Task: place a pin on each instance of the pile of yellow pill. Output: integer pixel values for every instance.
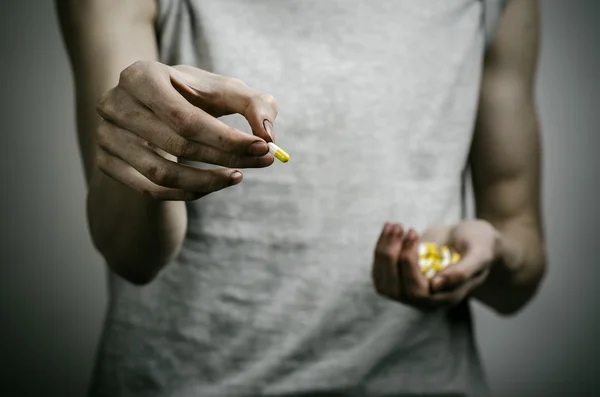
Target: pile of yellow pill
(433, 258)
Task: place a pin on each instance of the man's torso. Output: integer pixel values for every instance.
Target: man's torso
(272, 294)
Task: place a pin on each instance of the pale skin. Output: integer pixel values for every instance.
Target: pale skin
(503, 249)
(138, 117)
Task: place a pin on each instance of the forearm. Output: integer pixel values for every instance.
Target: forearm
(517, 270)
(136, 235)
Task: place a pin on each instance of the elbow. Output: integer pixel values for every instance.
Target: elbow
(133, 268)
(135, 273)
(522, 296)
(509, 310)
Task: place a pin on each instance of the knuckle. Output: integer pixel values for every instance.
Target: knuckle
(152, 192)
(181, 120)
(102, 161)
(234, 83)
(102, 134)
(160, 175)
(179, 146)
(267, 99)
(228, 139)
(105, 106)
(115, 105)
(132, 73)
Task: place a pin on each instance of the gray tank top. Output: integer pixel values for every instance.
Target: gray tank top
(271, 294)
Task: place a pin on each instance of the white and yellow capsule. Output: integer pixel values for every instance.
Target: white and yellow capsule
(278, 152)
(433, 258)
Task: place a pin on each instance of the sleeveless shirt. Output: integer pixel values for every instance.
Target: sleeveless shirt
(271, 294)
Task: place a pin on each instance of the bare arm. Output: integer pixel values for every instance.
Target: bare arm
(152, 116)
(505, 160)
(502, 250)
(136, 234)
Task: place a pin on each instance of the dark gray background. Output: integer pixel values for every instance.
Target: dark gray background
(52, 283)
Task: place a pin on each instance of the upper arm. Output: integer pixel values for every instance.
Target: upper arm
(506, 154)
(102, 38)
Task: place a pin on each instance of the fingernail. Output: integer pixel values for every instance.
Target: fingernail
(436, 284)
(258, 148)
(235, 178)
(269, 128)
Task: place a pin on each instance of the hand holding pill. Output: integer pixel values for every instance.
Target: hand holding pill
(158, 115)
(437, 269)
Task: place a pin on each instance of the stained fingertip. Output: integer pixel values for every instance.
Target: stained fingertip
(235, 177)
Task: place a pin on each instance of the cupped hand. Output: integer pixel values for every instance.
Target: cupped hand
(396, 274)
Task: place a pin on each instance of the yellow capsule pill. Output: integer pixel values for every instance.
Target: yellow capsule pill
(434, 258)
(278, 152)
(431, 248)
(430, 273)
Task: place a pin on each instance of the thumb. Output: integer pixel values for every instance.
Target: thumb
(220, 95)
(452, 277)
(261, 113)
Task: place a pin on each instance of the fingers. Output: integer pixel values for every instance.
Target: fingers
(396, 274)
(150, 84)
(124, 173)
(260, 113)
(133, 116)
(221, 95)
(415, 286)
(134, 152)
(437, 234)
(385, 273)
(409, 286)
(457, 295)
